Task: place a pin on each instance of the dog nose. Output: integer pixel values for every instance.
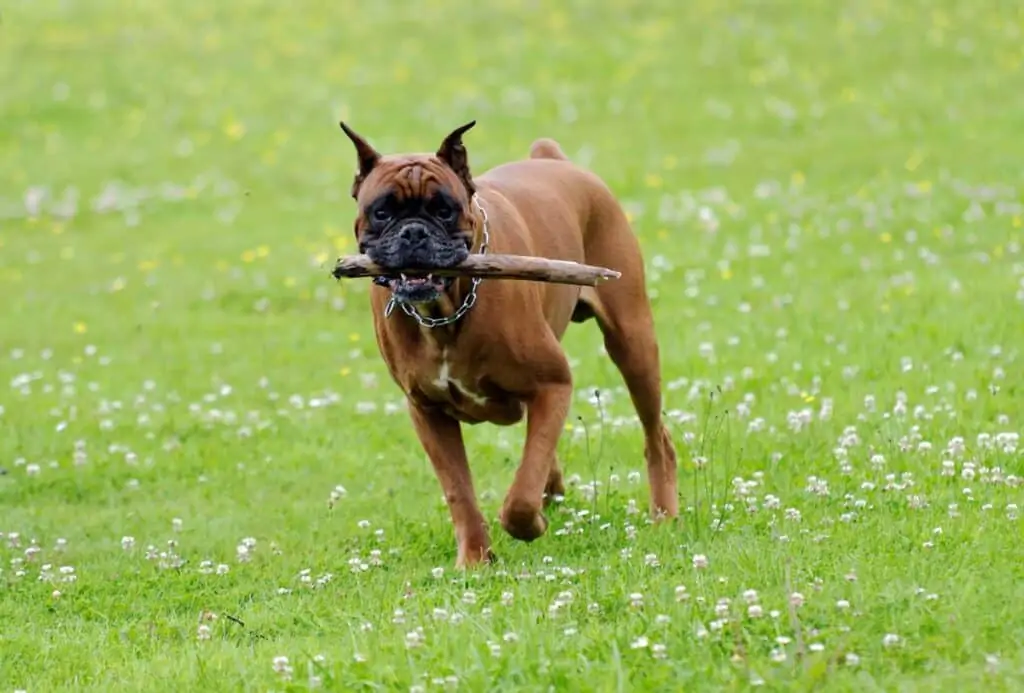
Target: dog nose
(413, 233)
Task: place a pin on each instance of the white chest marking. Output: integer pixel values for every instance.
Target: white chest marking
(444, 381)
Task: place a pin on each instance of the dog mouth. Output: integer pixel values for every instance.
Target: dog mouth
(417, 289)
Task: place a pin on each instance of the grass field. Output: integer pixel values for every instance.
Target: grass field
(829, 198)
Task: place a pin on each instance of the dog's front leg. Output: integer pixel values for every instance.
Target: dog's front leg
(522, 515)
(441, 437)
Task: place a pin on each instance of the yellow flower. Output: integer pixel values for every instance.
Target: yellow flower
(885, 237)
(235, 130)
(557, 21)
(354, 337)
(652, 180)
(80, 328)
(915, 159)
(345, 370)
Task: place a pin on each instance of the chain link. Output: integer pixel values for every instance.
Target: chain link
(467, 303)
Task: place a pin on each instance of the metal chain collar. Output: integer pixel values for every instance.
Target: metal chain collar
(467, 302)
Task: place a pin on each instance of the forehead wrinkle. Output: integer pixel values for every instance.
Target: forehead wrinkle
(414, 177)
(417, 180)
(411, 176)
(407, 180)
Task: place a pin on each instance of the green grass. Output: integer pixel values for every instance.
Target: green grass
(829, 198)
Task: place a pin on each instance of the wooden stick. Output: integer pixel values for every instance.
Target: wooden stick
(540, 269)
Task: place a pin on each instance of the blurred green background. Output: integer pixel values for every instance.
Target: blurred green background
(828, 198)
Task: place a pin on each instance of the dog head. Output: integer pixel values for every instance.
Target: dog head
(414, 212)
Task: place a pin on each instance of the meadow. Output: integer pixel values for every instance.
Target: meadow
(208, 480)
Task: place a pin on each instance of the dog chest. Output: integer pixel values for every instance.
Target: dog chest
(462, 393)
(447, 383)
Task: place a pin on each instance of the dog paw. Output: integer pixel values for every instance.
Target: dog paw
(664, 511)
(469, 558)
(523, 522)
(551, 499)
(555, 489)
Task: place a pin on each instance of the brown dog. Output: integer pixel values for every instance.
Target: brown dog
(470, 351)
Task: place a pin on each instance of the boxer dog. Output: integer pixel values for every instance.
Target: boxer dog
(470, 351)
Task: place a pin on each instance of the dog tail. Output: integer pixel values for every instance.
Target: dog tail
(547, 148)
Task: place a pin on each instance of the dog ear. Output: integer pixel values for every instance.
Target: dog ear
(453, 153)
(368, 157)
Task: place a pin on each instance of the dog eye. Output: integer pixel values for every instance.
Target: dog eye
(381, 215)
(444, 212)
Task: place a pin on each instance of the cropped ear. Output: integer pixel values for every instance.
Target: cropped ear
(453, 153)
(368, 157)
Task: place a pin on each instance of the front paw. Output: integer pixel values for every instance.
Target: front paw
(523, 521)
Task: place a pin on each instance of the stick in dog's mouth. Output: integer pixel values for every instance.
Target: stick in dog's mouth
(495, 266)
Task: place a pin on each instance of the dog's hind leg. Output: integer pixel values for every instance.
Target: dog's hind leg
(556, 483)
(623, 312)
